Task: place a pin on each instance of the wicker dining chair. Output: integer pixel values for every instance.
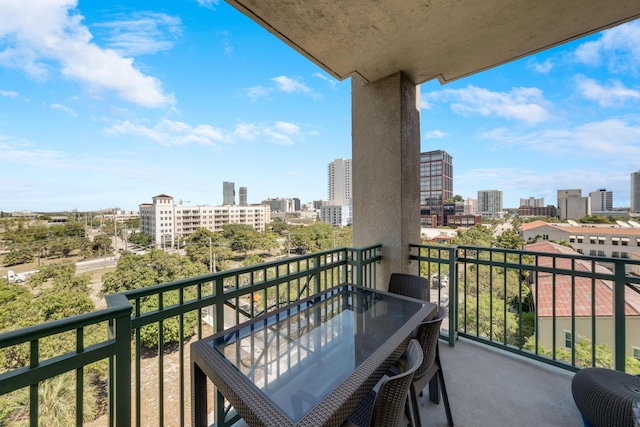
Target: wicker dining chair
(430, 371)
(409, 285)
(386, 407)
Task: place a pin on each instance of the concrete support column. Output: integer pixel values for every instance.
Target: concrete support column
(386, 170)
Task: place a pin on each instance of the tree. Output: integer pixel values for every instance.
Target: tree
(139, 238)
(510, 239)
(242, 237)
(476, 236)
(203, 246)
(154, 267)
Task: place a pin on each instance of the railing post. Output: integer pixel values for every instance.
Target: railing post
(122, 375)
(218, 305)
(619, 326)
(358, 267)
(453, 295)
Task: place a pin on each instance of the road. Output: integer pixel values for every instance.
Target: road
(95, 264)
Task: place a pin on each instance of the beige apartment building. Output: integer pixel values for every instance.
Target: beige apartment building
(168, 223)
(602, 240)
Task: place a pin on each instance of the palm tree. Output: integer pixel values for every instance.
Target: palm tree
(56, 403)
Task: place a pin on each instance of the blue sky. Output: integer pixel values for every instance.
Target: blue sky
(106, 104)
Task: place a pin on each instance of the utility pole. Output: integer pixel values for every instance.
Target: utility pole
(210, 257)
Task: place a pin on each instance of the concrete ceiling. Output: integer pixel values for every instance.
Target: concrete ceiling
(427, 39)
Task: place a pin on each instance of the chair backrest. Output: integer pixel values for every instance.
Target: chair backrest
(427, 335)
(392, 394)
(409, 285)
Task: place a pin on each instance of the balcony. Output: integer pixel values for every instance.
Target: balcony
(498, 371)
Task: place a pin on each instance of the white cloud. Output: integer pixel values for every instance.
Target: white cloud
(332, 82)
(209, 4)
(435, 134)
(612, 139)
(256, 92)
(141, 33)
(9, 93)
(613, 94)
(523, 104)
(169, 132)
(542, 68)
(47, 36)
(618, 46)
(291, 85)
(65, 109)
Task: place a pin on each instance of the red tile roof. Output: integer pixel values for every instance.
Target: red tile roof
(543, 289)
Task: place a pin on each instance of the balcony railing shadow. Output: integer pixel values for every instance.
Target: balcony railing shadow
(498, 372)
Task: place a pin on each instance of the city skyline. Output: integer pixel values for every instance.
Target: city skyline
(108, 105)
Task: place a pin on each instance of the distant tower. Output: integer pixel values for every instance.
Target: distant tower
(243, 196)
(339, 174)
(436, 185)
(601, 200)
(228, 194)
(571, 204)
(490, 201)
(635, 191)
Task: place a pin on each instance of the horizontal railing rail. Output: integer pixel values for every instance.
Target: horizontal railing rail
(508, 298)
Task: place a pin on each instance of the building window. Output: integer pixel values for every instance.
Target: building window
(636, 353)
(568, 339)
(614, 243)
(572, 239)
(615, 254)
(625, 243)
(580, 251)
(600, 253)
(545, 237)
(592, 252)
(592, 240)
(579, 239)
(601, 241)
(624, 254)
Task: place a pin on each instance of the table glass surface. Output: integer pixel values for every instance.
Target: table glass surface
(298, 356)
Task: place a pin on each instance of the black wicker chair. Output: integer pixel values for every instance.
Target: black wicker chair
(430, 372)
(385, 407)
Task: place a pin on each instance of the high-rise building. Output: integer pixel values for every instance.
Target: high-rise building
(337, 210)
(601, 200)
(339, 180)
(571, 204)
(490, 202)
(243, 196)
(228, 194)
(532, 202)
(635, 191)
(436, 185)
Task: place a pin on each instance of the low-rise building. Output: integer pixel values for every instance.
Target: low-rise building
(167, 222)
(602, 240)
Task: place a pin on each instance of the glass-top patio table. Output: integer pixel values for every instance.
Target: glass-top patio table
(309, 363)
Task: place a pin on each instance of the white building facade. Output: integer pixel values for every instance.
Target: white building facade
(168, 223)
(601, 201)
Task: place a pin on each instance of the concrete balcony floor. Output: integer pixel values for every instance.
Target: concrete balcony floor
(489, 387)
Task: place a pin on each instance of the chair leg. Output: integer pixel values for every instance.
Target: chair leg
(445, 397)
(415, 409)
(434, 390)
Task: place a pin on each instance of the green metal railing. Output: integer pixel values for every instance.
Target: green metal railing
(146, 331)
(493, 293)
